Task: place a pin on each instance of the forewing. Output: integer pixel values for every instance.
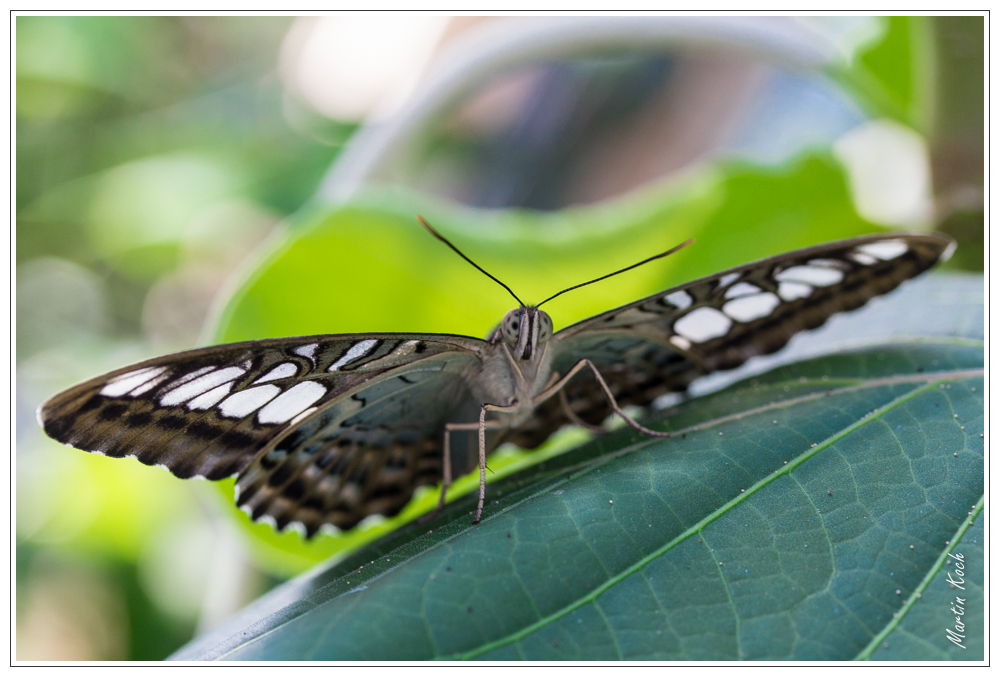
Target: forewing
(210, 412)
(663, 342)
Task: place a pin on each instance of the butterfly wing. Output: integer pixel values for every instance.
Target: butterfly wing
(661, 343)
(320, 429)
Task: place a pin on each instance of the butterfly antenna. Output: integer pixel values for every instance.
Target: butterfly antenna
(475, 265)
(634, 265)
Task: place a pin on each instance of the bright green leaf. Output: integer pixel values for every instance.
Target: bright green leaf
(893, 77)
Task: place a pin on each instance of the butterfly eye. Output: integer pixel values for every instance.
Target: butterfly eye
(511, 326)
(544, 327)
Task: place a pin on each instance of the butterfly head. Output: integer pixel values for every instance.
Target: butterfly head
(524, 329)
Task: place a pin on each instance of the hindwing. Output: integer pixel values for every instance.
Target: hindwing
(661, 343)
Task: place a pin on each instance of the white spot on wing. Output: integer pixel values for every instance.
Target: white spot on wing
(192, 375)
(679, 299)
(790, 291)
(269, 520)
(359, 349)
(291, 403)
(200, 385)
(680, 342)
(741, 289)
(749, 308)
(829, 263)
(302, 415)
(130, 381)
(727, 280)
(862, 258)
(283, 370)
(296, 526)
(245, 402)
(407, 348)
(149, 385)
(307, 350)
(702, 324)
(371, 520)
(885, 249)
(667, 400)
(211, 398)
(814, 275)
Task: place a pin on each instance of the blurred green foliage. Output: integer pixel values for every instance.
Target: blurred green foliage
(893, 74)
(127, 127)
(154, 153)
(144, 146)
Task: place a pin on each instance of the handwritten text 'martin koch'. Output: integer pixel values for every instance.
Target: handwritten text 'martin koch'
(956, 579)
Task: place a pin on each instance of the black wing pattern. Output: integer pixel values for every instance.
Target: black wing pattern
(661, 343)
(318, 429)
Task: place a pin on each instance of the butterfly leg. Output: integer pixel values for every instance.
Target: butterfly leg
(446, 472)
(446, 467)
(446, 481)
(482, 426)
(579, 366)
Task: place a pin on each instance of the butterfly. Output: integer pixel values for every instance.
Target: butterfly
(330, 429)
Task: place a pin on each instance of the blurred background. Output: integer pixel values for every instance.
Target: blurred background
(184, 180)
